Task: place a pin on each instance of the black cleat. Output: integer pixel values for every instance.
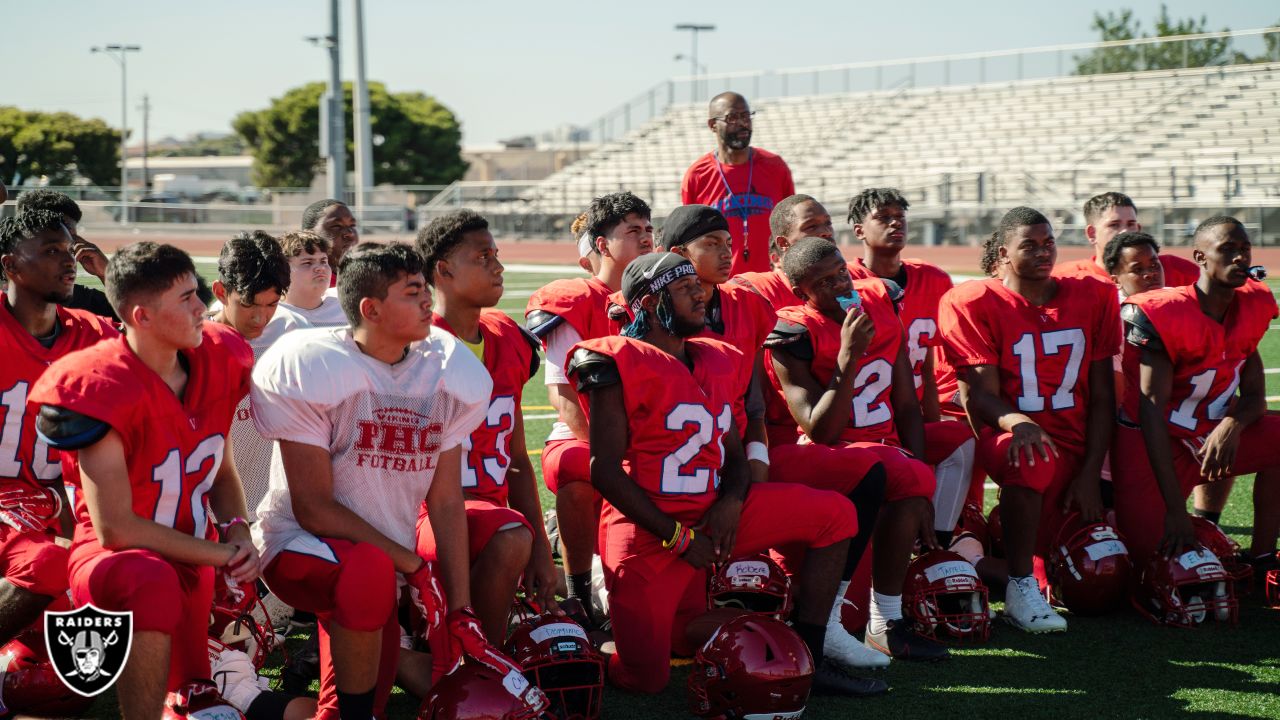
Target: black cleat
(901, 642)
(303, 667)
(831, 680)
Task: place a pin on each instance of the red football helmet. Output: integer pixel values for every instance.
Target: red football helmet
(995, 533)
(198, 699)
(240, 620)
(754, 666)
(474, 692)
(1211, 536)
(558, 657)
(1186, 590)
(30, 686)
(1089, 568)
(754, 583)
(946, 598)
(972, 521)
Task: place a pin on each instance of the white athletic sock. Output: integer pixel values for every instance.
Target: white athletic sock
(883, 609)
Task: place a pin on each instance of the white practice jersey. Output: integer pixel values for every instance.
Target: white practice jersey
(328, 314)
(384, 426)
(251, 451)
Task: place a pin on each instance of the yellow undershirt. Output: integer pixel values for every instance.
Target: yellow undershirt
(476, 348)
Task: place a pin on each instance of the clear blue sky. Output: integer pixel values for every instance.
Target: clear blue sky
(505, 68)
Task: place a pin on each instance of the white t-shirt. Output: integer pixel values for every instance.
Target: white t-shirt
(559, 343)
(384, 426)
(329, 314)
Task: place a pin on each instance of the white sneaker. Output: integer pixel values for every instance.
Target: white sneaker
(847, 650)
(1026, 609)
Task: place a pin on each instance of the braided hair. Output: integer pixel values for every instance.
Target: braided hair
(1020, 216)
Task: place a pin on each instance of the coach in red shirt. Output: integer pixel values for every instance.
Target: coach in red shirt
(742, 182)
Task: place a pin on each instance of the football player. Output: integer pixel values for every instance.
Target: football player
(1033, 354)
(660, 400)
(87, 254)
(735, 314)
(35, 251)
(505, 542)
(793, 218)
(1195, 403)
(311, 301)
(369, 420)
(879, 219)
(253, 276)
(840, 366)
(144, 419)
(1133, 260)
(333, 221)
(562, 314)
(1106, 216)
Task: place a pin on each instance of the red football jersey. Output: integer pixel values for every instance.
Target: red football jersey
(582, 302)
(173, 446)
(918, 313)
(1177, 271)
(511, 357)
(871, 414)
(24, 457)
(736, 315)
(1207, 355)
(771, 285)
(745, 194)
(676, 418)
(1042, 352)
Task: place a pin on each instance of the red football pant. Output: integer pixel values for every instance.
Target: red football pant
(950, 448)
(351, 584)
(33, 561)
(484, 520)
(1139, 506)
(653, 593)
(1049, 478)
(840, 468)
(564, 462)
(165, 597)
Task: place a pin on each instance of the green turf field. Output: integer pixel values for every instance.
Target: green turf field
(1114, 667)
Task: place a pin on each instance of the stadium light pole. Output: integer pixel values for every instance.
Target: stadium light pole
(694, 29)
(119, 53)
(363, 135)
(333, 126)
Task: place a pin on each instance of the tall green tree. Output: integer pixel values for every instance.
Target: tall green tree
(417, 140)
(1154, 56)
(58, 146)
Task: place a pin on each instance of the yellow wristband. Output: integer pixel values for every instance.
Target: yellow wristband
(667, 545)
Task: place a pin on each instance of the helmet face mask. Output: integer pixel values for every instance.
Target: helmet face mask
(1187, 590)
(558, 657)
(753, 667)
(754, 583)
(945, 597)
(1219, 543)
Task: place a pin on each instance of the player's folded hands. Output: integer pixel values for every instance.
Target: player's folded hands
(29, 509)
(243, 565)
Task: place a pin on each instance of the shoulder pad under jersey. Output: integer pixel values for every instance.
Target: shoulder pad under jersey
(1138, 329)
(540, 323)
(792, 338)
(592, 369)
(65, 429)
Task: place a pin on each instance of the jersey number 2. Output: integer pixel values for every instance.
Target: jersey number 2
(675, 480)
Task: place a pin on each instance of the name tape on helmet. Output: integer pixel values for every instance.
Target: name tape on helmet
(557, 630)
(1198, 558)
(515, 683)
(1106, 549)
(951, 568)
(743, 568)
(1103, 533)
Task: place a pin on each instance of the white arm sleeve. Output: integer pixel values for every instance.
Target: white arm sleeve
(561, 340)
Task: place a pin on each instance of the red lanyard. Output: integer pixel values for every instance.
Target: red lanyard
(751, 169)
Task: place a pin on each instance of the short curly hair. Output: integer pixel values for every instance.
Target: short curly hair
(253, 262)
(1020, 216)
(872, 199)
(443, 234)
(311, 216)
(25, 224)
(1111, 253)
(46, 199)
